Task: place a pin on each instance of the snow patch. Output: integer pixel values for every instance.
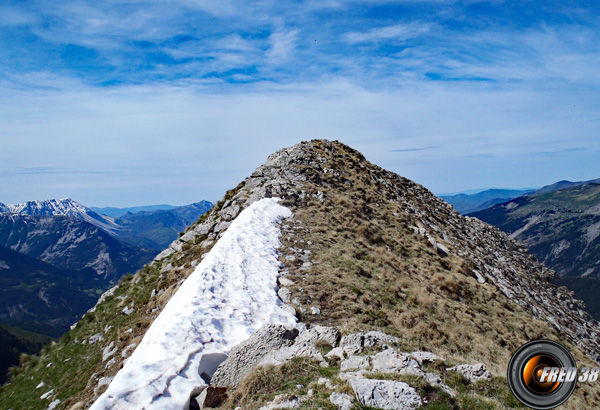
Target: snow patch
(230, 295)
(3, 265)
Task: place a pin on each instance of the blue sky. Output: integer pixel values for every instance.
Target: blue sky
(120, 103)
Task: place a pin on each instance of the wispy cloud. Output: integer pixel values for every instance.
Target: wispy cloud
(397, 32)
(282, 46)
(558, 152)
(414, 149)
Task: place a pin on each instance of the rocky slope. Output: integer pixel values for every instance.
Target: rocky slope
(365, 250)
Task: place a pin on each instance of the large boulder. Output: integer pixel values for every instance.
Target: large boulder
(250, 352)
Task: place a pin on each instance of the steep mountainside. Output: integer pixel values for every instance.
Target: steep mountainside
(465, 204)
(15, 341)
(157, 229)
(43, 298)
(365, 249)
(71, 243)
(561, 228)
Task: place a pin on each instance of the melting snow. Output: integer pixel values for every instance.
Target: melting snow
(230, 295)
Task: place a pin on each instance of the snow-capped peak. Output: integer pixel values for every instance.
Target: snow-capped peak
(64, 206)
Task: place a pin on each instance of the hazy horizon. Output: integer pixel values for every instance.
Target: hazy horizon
(149, 102)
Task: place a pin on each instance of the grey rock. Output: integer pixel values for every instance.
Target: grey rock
(290, 309)
(356, 363)
(357, 342)
(353, 343)
(391, 361)
(375, 338)
(317, 333)
(285, 282)
(473, 372)
(425, 357)
(250, 352)
(336, 352)
(211, 397)
(386, 394)
(341, 400)
(283, 401)
(315, 311)
(347, 376)
(284, 294)
(287, 353)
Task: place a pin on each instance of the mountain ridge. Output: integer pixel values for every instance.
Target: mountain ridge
(366, 249)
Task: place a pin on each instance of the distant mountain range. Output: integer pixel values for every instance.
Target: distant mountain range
(117, 212)
(560, 224)
(561, 227)
(157, 229)
(58, 256)
(466, 203)
(62, 207)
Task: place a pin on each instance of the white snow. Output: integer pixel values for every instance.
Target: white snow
(230, 295)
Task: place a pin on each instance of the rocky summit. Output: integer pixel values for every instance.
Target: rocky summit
(398, 302)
